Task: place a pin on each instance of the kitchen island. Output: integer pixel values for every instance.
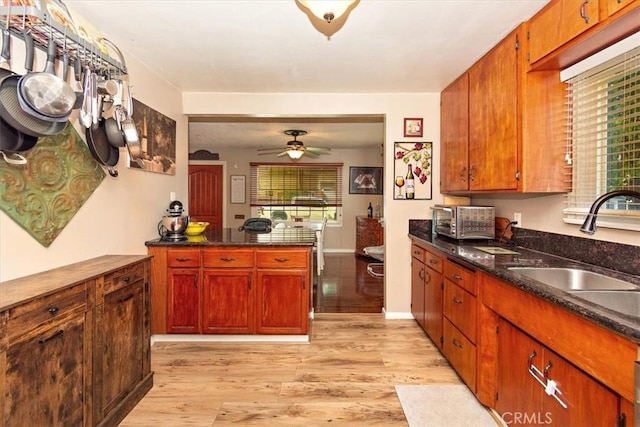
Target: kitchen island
(233, 283)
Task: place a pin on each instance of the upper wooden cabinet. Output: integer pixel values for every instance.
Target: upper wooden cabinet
(454, 137)
(558, 23)
(504, 132)
(610, 7)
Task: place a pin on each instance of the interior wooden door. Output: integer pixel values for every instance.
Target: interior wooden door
(205, 194)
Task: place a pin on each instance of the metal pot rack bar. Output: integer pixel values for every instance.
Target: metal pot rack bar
(43, 28)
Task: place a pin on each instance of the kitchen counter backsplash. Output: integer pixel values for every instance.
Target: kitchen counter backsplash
(610, 255)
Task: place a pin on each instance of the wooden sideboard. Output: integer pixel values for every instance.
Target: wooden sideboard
(75, 343)
(369, 232)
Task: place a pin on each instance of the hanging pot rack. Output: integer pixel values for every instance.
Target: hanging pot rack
(43, 28)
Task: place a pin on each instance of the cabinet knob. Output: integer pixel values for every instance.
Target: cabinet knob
(457, 300)
(456, 343)
(53, 310)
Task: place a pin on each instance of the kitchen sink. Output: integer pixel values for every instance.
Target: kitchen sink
(574, 279)
(626, 302)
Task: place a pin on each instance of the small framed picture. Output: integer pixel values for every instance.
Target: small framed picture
(413, 127)
(365, 180)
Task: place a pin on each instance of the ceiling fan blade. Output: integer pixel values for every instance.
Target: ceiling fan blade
(319, 149)
(269, 150)
(284, 153)
(311, 154)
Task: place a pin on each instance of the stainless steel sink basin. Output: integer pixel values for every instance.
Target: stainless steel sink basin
(627, 302)
(573, 279)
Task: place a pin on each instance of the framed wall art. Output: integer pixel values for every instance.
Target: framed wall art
(365, 180)
(413, 127)
(238, 188)
(157, 135)
(412, 162)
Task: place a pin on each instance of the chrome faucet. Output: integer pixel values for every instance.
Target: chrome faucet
(589, 225)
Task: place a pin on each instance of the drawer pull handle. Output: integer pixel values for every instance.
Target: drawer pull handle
(127, 298)
(53, 310)
(583, 11)
(126, 279)
(456, 343)
(281, 259)
(416, 252)
(427, 278)
(463, 175)
(421, 274)
(456, 277)
(183, 259)
(56, 335)
(433, 261)
(227, 259)
(457, 300)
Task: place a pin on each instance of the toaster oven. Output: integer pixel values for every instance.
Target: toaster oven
(464, 222)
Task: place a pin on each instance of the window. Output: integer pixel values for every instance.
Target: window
(310, 191)
(603, 147)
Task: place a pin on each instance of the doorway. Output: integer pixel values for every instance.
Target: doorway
(206, 194)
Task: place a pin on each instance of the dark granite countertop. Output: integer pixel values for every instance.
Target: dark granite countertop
(498, 266)
(234, 237)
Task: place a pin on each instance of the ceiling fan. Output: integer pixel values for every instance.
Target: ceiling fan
(295, 149)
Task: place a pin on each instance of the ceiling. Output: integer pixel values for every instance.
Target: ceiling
(273, 46)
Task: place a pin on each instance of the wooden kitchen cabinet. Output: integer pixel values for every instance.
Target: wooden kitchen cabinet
(460, 310)
(369, 232)
(417, 284)
(183, 291)
(611, 7)
(509, 112)
(75, 343)
(559, 22)
(283, 295)
(426, 290)
(122, 312)
(454, 136)
(521, 360)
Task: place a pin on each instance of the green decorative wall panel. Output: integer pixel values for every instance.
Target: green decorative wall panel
(43, 195)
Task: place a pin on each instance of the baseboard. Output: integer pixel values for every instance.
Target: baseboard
(339, 251)
(397, 315)
(230, 338)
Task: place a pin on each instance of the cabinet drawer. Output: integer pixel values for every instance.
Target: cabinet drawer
(461, 276)
(183, 258)
(227, 258)
(124, 277)
(461, 354)
(417, 252)
(461, 308)
(25, 317)
(285, 258)
(433, 261)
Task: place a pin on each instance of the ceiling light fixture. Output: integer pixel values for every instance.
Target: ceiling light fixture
(328, 10)
(295, 154)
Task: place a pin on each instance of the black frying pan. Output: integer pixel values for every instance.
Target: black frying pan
(12, 140)
(99, 146)
(12, 113)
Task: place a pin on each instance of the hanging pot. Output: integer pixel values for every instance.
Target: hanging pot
(12, 113)
(101, 149)
(45, 95)
(114, 135)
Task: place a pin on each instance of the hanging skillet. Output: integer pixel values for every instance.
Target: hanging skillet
(44, 95)
(99, 146)
(12, 113)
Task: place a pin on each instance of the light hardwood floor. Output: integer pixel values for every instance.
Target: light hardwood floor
(344, 376)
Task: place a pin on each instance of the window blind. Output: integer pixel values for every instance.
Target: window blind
(302, 184)
(603, 140)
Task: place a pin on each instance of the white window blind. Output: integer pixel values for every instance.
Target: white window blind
(603, 141)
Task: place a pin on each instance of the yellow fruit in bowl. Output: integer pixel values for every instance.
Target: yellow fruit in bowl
(196, 228)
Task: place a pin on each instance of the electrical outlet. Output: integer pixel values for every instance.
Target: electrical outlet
(517, 217)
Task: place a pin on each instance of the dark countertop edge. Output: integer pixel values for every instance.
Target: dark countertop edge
(158, 242)
(624, 325)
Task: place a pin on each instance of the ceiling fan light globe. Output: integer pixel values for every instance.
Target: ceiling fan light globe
(295, 154)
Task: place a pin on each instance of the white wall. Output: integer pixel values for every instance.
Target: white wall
(123, 212)
(395, 107)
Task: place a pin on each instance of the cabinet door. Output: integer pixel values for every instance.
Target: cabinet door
(588, 402)
(227, 304)
(120, 333)
(433, 284)
(45, 376)
(183, 301)
(368, 233)
(493, 118)
(205, 194)
(454, 136)
(558, 23)
(282, 302)
(417, 291)
(518, 392)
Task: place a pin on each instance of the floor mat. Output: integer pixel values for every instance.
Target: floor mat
(442, 405)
